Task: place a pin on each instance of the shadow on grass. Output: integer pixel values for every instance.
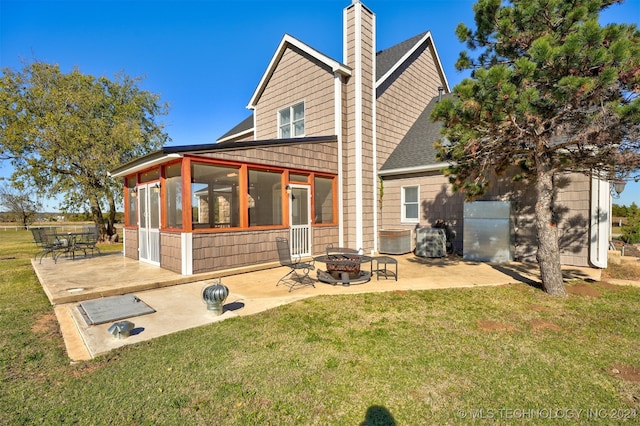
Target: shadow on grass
(377, 415)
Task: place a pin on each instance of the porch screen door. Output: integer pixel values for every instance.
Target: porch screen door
(300, 220)
(149, 220)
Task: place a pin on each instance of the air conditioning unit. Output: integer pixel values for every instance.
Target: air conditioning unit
(431, 242)
(394, 241)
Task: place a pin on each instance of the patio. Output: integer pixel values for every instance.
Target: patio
(178, 303)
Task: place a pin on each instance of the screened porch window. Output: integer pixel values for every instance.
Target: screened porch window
(291, 121)
(132, 217)
(265, 198)
(323, 200)
(215, 200)
(173, 200)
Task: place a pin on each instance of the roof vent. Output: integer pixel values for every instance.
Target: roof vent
(440, 90)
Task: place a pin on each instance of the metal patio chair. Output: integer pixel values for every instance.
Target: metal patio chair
(299, 270)
(88, 240)
(48, 242)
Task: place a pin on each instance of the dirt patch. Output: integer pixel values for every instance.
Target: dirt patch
(46, 324)
(488, 325)
(583, 289)
(608, 286)
(626, 372)
(542, 325)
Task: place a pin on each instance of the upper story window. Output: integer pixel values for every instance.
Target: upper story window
(291, 121)
(410, 206)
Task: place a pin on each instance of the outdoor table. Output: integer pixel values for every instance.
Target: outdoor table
(73, 238)
(344, 268)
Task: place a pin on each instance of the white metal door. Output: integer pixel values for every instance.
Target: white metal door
(149, 223)
(300, 220)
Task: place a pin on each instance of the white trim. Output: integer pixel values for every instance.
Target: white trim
(145, 165)
(406, 56)
(358, 124)
(403, 210)
(291, 107)
(337, 91)
(410, 170)
(186, 244)
(600, 222)
(287, 41)
(374, 114)
(236, 135)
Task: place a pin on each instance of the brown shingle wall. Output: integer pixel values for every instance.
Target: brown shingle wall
(403, 97)
(219, 251)
(131, 241)
(298, 77)
(322, 237)
(171, 251)
(437, 202)
(321, 157)
(214, 252)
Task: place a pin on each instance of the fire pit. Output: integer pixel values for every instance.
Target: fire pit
(337, 264)
(343, 268)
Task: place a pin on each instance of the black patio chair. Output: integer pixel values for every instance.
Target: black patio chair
(48, 242)
(299, 270)
(87, 240)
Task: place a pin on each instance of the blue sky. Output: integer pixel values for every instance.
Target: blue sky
(206, 57)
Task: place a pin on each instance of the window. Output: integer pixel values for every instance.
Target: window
(132, 217)
(214, 196)
(410, 205)
(323, 200)
(265, 198)
(173, 193)
(291, 121)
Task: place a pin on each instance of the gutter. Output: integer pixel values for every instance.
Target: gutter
(411, 170)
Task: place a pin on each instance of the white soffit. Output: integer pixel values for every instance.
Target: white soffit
(144, 165)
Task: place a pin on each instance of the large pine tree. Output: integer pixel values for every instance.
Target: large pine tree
(551, 90)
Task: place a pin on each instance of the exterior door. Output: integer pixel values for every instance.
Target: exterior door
(149, 223)
(300, 220)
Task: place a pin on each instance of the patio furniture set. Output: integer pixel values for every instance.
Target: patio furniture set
(54, 243)
(343, 265)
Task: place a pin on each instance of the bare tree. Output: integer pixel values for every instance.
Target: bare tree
(19, 205)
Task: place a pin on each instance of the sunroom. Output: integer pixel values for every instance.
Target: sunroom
(195, 209)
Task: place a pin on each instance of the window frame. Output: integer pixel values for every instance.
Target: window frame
(292, 121)
(405, 203)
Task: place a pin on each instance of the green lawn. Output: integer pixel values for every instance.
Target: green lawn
(501, 354)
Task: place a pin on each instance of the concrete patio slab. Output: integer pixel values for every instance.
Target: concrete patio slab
(179, 306)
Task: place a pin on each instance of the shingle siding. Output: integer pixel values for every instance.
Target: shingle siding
(298, 77)
(403, 98)
(438, 202)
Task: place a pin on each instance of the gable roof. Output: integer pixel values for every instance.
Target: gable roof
(286, 42)
(415, 152)
(388, 60)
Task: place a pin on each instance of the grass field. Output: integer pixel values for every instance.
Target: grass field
(506, 354)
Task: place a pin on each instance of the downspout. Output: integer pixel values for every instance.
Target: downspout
(600, 222)
(337, 88)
